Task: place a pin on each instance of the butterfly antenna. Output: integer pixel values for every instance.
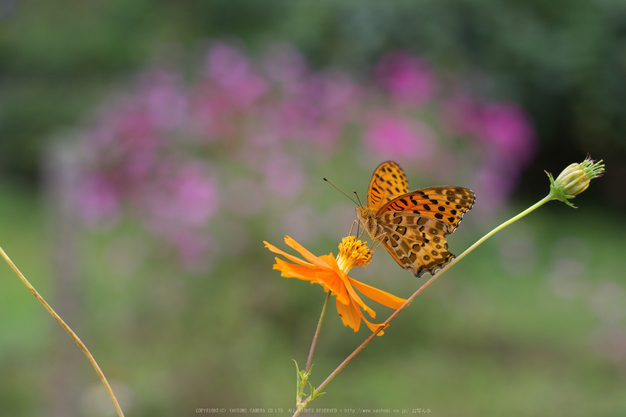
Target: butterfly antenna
(358, 204)
(357, 197)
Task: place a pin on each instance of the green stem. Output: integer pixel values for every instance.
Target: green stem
(67, 328)
(512, 220)
(317, 333)
(302, 405)
(427, 283)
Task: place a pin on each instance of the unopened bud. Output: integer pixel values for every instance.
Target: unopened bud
(575, 179)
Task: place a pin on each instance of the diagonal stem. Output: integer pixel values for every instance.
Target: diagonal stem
(67, 328)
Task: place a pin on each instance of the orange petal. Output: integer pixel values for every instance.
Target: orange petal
(328, 261)
(330, 281)
(350, 316)
(377, 295)
(286, 255)
(304, 252)
(332, 263)
(289, 270)
(373, 327)
(348, 287)
(355, 297)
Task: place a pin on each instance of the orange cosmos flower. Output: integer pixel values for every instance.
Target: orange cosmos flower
(332, 274)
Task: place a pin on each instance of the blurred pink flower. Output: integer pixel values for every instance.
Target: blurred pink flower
(185, 195)
(210, 116)
(164, 99)
(389, 136)
(122, 128)
(318, 109)
(136, 130)
(97, 199)
(503, 127)
(284, 65)
(505, 144)
(148, 152)
(230, 93)
(494, 182)
(137, 167)
(461, 115)
(231, 70)
(506, 126)
(283, 175)
(124, 147)
(408, 79)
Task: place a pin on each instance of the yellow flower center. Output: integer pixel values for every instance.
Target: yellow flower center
(352, 253)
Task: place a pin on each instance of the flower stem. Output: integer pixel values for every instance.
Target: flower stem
(317, 333)
(427, 283)
(304, 375)
(512, 220)
(67, 328)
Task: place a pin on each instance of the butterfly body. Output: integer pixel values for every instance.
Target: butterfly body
(412, 225)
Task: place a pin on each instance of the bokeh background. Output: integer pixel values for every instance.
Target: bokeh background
(147, 148)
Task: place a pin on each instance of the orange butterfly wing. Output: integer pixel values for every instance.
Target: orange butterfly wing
(412, 226)
(445, 204)
(388, 181)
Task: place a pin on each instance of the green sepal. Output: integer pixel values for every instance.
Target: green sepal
(557, 193)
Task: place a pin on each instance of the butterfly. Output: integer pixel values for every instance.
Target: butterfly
(412, 225)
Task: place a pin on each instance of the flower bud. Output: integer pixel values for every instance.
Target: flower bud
(575, 179)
